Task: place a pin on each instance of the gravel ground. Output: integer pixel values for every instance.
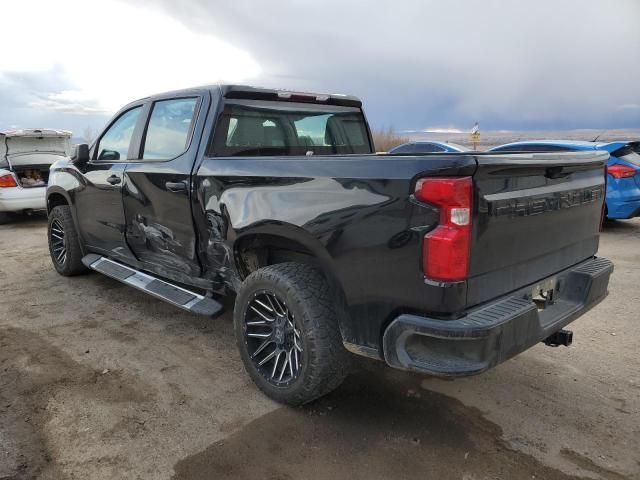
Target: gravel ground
(99, 381)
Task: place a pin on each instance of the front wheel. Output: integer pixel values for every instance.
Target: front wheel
(64, 246)
(287, 330)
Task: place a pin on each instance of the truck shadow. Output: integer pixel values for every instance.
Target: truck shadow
(374, 426)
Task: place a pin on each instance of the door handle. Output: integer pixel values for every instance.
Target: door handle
(114, 180)
(176, 187)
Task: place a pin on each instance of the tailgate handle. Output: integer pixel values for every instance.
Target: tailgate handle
(555, 172)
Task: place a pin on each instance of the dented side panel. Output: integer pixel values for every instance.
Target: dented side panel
(160, 230)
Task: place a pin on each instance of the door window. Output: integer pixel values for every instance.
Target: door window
(114, 144)
(169, 129)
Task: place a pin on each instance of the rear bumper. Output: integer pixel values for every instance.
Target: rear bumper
(494, 332)
(623, 210)
(17, 199)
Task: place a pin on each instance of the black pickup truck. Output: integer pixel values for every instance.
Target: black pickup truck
(446, 264)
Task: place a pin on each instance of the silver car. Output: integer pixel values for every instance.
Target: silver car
(25, 158)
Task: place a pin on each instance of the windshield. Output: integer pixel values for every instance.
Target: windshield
(250, 128)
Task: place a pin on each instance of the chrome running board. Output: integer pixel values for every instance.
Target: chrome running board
(178, 296)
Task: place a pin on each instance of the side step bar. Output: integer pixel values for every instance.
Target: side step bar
(161, 289)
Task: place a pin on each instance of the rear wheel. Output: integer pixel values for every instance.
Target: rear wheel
(286, 325)
(64, 246)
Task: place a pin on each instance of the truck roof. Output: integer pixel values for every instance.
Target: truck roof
(259, 93)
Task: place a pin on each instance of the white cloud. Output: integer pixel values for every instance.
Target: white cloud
(112, 52)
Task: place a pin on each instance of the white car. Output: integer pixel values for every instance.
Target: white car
(25, 158)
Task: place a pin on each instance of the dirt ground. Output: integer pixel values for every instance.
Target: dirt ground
(99, 381)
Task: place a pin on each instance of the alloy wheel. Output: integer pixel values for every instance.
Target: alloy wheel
(58, 244)
(273, 338)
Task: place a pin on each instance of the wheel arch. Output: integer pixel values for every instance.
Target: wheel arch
(273, 244)
(56, 197)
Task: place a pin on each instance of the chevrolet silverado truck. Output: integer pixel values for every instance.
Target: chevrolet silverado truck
(444, 263)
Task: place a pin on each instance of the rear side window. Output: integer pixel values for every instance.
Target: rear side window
(286, 128)
(169, 129)
(114, 144)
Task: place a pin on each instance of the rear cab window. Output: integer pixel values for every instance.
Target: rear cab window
(263, 128)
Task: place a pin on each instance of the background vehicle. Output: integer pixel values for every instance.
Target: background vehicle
(623, 168)
(443, 264)
(428, 147)
(25, 158)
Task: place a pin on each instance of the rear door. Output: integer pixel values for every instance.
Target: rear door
(536, 215)
(99, 203)
(157, 193)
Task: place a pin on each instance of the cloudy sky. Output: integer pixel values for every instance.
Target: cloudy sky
(417, 64)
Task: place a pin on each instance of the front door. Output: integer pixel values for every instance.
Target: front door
(157, 192)
(99, 202)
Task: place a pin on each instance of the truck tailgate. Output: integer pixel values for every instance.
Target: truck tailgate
(537, 214)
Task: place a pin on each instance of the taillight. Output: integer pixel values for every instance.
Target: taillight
(621, 171)
(7, 181)
(445, 255)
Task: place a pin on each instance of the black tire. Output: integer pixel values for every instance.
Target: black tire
(64, 245)
(315, 308)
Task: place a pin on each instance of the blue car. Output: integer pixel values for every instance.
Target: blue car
(623, 170)
(428, 147)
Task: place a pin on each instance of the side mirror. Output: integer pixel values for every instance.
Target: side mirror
(111, 155)
(80, 155)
